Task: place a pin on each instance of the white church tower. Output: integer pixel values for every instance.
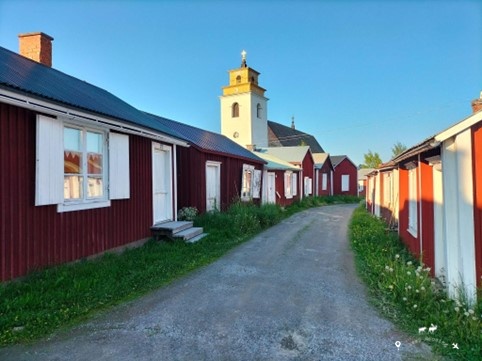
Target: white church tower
(244, 111)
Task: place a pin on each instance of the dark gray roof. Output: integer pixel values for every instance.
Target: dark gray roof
(337, 159)
(23, 75)
(289, 137)
(206, 140)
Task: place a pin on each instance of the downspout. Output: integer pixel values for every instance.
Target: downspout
(317, 176)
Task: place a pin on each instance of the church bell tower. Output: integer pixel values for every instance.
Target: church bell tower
(244, 112)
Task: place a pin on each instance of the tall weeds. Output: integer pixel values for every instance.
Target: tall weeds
(403, 289)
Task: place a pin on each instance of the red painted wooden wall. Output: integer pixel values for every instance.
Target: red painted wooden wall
(325, 169)
(191, 177)
(477, 162)
(34, 237)
(345, 167)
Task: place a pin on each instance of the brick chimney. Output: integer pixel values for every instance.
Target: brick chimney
(36, 46)
(477, 104)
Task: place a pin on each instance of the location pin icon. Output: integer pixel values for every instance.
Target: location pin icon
(398, 343)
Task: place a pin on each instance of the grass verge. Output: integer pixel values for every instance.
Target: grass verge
(66, 295)
(403, 290)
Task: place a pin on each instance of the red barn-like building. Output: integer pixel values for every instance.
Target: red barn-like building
(345, 176)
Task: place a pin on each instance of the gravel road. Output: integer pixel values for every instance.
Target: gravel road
(290, 293)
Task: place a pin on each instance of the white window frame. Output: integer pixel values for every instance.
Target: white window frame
(257, 184)
(345, 182)
(412, 201)
(308, 186)
(294, 184)
(288, 184)
(49, 182)
(247, 189)
(324, 181)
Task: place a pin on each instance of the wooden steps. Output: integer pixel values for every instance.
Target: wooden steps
(179, 230)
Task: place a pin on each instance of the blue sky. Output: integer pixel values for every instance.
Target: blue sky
(358, 75)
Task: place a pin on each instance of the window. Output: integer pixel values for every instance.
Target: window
(247, 182)
(83, 164)
(308, 186)
(412, 202)
(324, 182)
(238, 79)
(74, 166)
(258, 110)
(345, 182)
(294, 184)
(288, 184)
(235, 110)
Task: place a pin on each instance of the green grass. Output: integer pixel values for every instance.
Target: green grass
(61, 296)
(404, 291)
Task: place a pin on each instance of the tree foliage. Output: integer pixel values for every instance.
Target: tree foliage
(371, 160)
(398, 148)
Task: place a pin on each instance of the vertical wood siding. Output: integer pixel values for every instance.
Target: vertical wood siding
(345, 167)
(325, 169)
(191, 177)
(34, 237)
(477, 161)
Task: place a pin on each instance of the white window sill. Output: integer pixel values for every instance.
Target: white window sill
(288, 197)
(413, 232)
(61, 208)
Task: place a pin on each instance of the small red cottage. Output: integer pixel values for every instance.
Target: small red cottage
(323, 174)
(345, 176)
(280, 180)
(301, 158)
(214, 171)
(82, 171)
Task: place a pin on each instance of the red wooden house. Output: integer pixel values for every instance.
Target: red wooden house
(345, 176)
(440, 203)
(323, 174)
(214, 171)
(280, 180)
(301, 158)
(82, 171)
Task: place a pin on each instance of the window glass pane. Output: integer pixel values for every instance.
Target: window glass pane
(72, 187)
(72, 139)
(72, 162)
(94, 142)
(95, 187)
(94, 163)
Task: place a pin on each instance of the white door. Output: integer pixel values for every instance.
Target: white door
(213, 186)
(271, 187)
(161, 182)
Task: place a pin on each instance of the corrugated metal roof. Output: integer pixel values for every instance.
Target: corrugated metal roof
(289, 137)
(288, 154)
(206, 140)
(320, 158)
(27, 76)
(274, 163)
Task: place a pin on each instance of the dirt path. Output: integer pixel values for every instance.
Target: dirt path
(291, 293)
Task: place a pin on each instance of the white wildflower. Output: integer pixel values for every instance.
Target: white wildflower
(456, 309)
(414, 306)
(409, 273)
(405, 299)
(422, 288)
(409, 263)
(397, 256)
(466, 314)
(471, 311)
(474, 318)
(391, 287)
